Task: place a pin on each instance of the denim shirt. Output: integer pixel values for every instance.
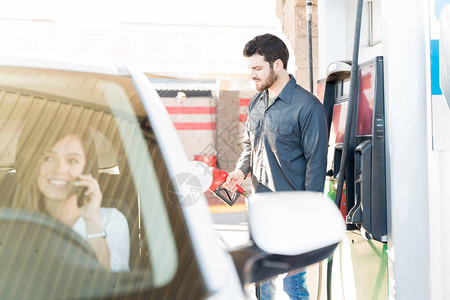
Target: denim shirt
(285, 144)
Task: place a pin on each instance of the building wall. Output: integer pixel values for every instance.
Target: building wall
(228, 135)
(232, 109)
(210, 126)
(292, 14)
(194, 119)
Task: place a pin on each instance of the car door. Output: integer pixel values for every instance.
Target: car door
(36, 105)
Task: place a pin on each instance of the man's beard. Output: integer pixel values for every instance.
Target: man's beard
(268, 82)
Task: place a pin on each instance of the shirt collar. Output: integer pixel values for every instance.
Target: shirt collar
(288, 90)
(286, 93)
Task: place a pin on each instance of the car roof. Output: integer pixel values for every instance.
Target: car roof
(103, 67)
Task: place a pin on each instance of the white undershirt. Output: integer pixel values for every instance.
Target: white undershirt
(117, 236)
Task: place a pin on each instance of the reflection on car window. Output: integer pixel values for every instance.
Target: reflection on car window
(68, 136)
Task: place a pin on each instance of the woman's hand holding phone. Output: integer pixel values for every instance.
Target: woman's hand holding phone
(90, 212)
(89, 197)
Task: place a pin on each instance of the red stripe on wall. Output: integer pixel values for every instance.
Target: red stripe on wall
(194, 126)
(189, 110)
(242, 118)
(244, 102)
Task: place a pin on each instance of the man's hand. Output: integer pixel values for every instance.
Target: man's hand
(233, 179)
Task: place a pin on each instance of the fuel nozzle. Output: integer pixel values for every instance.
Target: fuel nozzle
(219, 177)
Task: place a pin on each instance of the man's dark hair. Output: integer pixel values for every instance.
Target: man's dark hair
(270, 47)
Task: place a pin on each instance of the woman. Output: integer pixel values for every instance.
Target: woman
(56, 170)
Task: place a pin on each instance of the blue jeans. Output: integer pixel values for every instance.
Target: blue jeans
(294, 286)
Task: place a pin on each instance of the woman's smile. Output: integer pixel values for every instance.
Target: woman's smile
(58, 183)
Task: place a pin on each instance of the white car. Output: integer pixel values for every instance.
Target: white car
(174, 251)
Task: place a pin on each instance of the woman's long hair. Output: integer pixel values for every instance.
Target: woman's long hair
(37, 138)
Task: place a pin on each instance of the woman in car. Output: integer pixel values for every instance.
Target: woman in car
(56, 170)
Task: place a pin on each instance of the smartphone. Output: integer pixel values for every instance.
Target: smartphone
(80, 191)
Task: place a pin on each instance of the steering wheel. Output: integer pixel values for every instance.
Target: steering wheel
(45, 222)
(23, 231)
(43, 254)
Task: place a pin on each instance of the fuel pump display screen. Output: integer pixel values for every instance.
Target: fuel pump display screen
(365, 103)
(338, 124)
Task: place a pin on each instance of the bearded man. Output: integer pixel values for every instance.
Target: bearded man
(286, 138)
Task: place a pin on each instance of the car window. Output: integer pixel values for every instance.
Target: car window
(39, 110)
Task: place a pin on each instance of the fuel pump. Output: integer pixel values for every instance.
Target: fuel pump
(363, 201)
(335, 101)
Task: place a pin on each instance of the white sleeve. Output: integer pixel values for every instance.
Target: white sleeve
(118, 240)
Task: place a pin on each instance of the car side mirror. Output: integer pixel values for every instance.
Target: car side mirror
(289, 230)
(292, 223)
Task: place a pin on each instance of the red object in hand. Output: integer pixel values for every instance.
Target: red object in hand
(219, 177)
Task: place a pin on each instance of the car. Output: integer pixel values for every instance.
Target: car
(144, 173)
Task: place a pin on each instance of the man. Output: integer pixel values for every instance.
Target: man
(286, 137)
